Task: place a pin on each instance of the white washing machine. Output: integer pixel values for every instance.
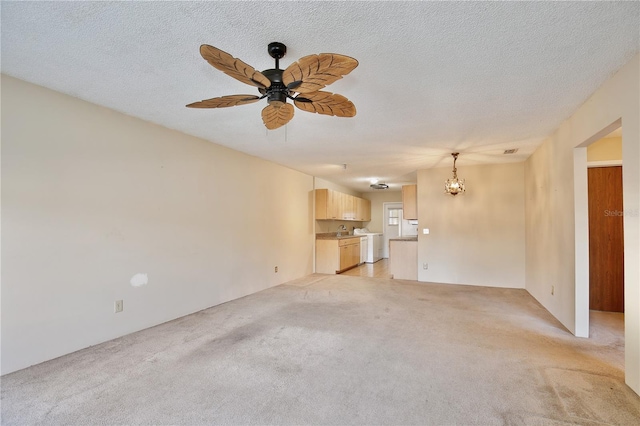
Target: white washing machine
(374, 244)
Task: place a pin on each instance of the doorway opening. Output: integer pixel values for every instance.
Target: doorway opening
(599, 233)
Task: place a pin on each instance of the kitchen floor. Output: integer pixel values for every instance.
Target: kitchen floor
(380, 269)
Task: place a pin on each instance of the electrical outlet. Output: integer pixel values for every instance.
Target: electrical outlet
(425, 265)
(276, 269)
(118, 306)
(552, 290)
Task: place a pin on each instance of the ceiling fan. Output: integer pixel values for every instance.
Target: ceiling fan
(306, 77)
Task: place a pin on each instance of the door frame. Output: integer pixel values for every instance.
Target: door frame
(581, 235)
(385, 220)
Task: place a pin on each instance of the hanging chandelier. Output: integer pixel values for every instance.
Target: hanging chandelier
(454, 186)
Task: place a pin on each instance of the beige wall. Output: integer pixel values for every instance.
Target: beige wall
(377, 199)
(324, 226)
(605, 149)
(91, 197)
(325, 184)
(557, 213)
(476, 238)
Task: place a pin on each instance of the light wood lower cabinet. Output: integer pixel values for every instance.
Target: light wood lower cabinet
(403, 259)
(335, 256)
(349, 254)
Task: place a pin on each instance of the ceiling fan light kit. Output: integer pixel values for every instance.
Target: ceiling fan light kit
(304, 79)
(454, 186)
(379, 186)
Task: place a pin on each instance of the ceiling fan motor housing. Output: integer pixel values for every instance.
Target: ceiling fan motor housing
(277, 93)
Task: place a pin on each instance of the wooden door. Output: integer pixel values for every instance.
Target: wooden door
(606, 244)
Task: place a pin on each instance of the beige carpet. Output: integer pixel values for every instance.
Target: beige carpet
(341, 350)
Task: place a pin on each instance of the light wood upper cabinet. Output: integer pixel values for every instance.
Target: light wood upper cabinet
(410, 202)
(348, 207)
(328, 205)
(363, 209)
(322, 201)
(334, 205)
(341, 201)
(367, 210)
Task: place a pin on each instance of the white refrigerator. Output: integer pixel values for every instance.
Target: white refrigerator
(409, 228)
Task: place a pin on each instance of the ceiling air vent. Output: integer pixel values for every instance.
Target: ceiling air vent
(510, 151)
(379, 186)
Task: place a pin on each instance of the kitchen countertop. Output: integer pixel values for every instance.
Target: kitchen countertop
(404, 239)
(333, 236)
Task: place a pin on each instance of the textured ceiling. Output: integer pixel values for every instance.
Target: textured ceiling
(434, 77)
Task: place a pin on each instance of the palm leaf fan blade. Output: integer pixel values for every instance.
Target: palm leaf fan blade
(327, 103)
(233, 67)
(274, 117)
(317, 71)
(225, 101)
